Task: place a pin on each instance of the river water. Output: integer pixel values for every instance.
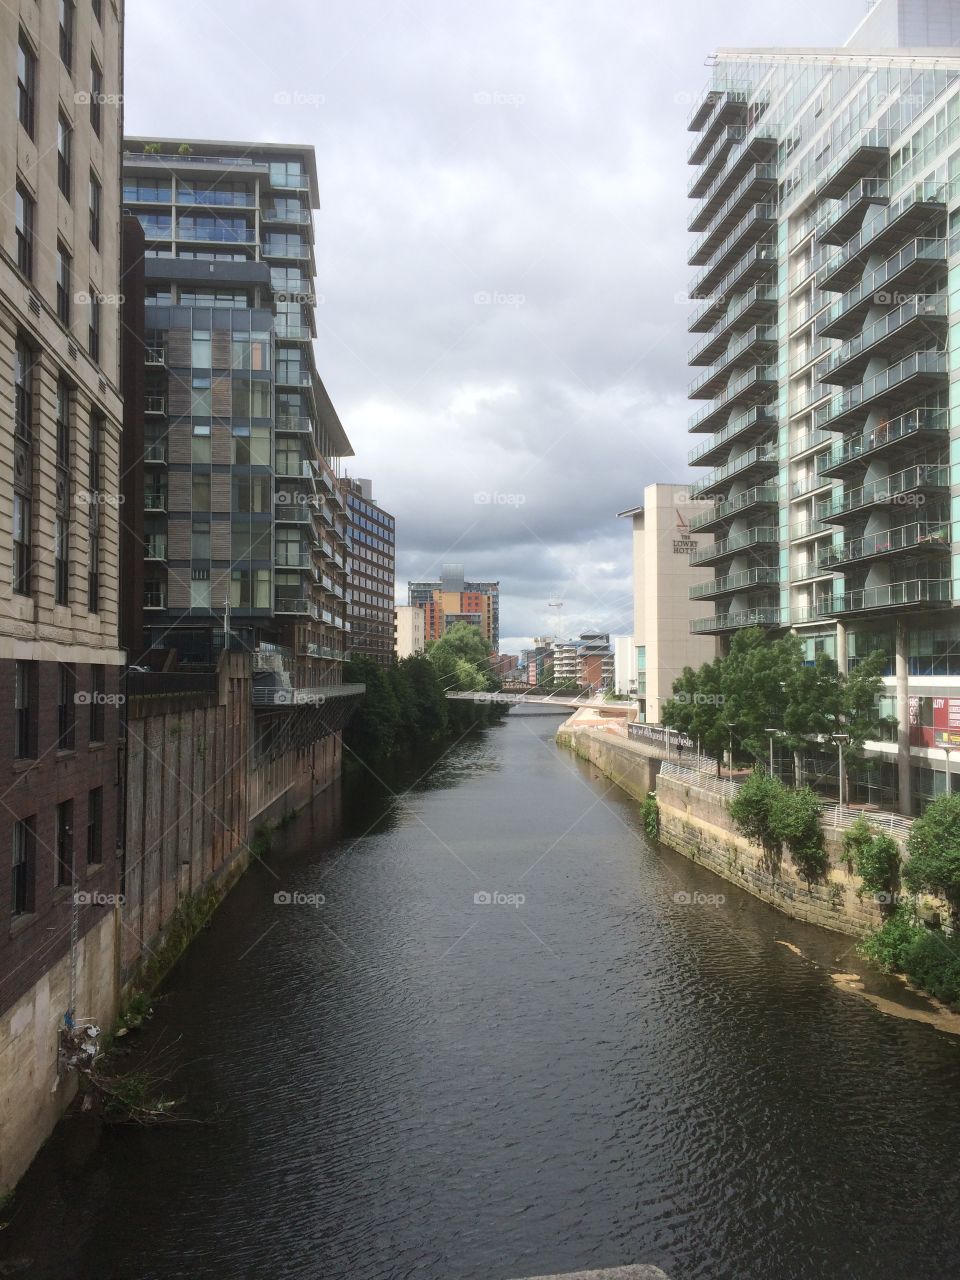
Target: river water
(406, 1081)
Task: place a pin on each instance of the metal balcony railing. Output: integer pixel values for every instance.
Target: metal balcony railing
(762, 575)
(855, 398)
(885, 433)
(736, 542)
(762, 617)
(922, 536)
(894, 595)
(885, 490)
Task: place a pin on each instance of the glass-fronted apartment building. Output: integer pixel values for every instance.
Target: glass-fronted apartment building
(452, 598)
(826, 356)
(245, 522)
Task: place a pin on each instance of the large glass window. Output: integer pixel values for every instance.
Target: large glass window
(200, 540)
(67, 24)
(25, 711)
(96, 97)
(24, 867)
(147, 189)
(64, 286)
(64, 154)
(26, 83)
(66, 706)
(201, 353)
(96, 204)
(61, 584)
(22, 550)
(200, 397)
(24, 220)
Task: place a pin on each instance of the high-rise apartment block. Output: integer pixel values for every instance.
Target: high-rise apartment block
(371, 543)
(60, 660)
(452, 599)
(245, 521)
(827, 355)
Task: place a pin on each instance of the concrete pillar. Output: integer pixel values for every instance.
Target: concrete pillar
(841, 648)
(903, 721)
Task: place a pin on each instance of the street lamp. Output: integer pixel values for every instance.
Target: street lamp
(946, 752)
(773, 733)
(840, 739)
(730, 727)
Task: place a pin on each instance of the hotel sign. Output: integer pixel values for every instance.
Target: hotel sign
(683, 544)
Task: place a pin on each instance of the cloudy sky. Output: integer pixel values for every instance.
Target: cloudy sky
(502, 239)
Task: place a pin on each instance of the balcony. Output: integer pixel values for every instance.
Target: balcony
(760, 182)
(761, 261)
(154, 596)
(155, 546)
(898, 330)
(723, 109)
(755, 386)
(299, 605)
(763, 536)
(808, 570)
(764, 495)
(903, 488)
(154, 357)
(755, 147)
(713, 161)
(293, 423)
(747, 349)
(916, 264)
(758, 222)
(933, 592)
(845, 217)
(292, 558)
(283, 249)
(217, 233)
(906, 217)
(745, 429)
(763, 575)
(816, 612)
(288, 376)
(288, 468)
(759, 303)
(155, 453)
(154, 404)
(809, 440)
(292, 512)
(156, 501)
(754, 463)
(915, 429)
(857, 159)
(921, 373)
(312, 696)
(293, 217)
(919, 539)
(721, 622)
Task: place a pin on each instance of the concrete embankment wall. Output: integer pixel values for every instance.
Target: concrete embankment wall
(695, 821)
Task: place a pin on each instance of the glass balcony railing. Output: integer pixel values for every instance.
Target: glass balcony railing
(885, 433)
(760, 175)
(886, 490)
(154, 357)
(155, 453)
(154, 404)
(154, 596)
(760, 377)
(919, 254)
(292, 512)
(759, 259)
(760, 334)
(762, 617)
(760, 495)
(875, 225)
(757, 420)
(760, 576)
(869, 189)
(217, 233)
(923, 536)
(736, 542)
(763, 456)
(921, 306)
(894, 595)
(286, 557)
(155, 501)
(155, 546)
(759, 218)
(855, 398)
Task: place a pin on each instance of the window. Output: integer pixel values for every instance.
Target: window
(95, 826)
(66, 706)
(24, 215)
(22, 556)
(26, 83)
(200, 540)
(97, 701)
(93, 453)
(93, 571)
(25, 717)
(67, 13)
(65, 842)
(63, 424)
(200, 596)
(23, 390)
(201, 491)
(96, 97)
(200, 443)
(24, 864)
(93, 328)
(96, 201)
(63, 284)
(97, 7)
(64, 153)
(61, 561)
(200, 399)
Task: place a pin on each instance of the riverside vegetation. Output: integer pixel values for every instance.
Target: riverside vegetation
(405, 708)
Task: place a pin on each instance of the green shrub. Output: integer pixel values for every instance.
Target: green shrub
(650, 814)
(753, 811)
(934, 848)
(796, 820)
(932, 961)
(855, 841)
(887, 946)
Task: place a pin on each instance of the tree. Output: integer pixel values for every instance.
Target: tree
(796, 819)
(753, 810)
(933, 846)
(462, 660)
(371, 731)
(697, 708)
(421, 675)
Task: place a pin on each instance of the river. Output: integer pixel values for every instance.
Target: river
(406, 1080)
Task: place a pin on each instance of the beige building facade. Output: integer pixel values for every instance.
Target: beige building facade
(662, 608)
